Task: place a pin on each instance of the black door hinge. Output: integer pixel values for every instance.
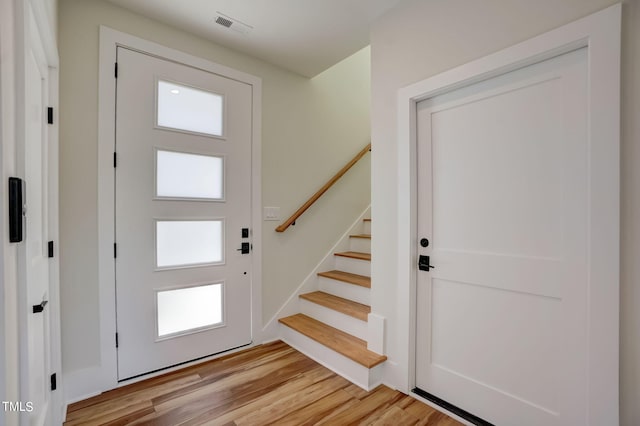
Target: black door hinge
(50, 115)
(117, 344)
(115, 159)
(50, 249)
(54, 382)
(115, 250)
(116, 70)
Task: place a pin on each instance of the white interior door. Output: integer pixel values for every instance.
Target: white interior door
(34, 261)
(183, 201)
(503, 201)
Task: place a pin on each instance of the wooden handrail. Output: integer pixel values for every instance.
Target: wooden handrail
(322, 190)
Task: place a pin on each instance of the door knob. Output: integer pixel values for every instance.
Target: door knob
(40, 308)
(245, 248)
(423, 263)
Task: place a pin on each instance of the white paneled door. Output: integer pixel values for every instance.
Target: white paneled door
(183, 213)
(503, 183)
(34, 259)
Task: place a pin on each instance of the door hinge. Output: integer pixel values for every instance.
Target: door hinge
(115, 250)
(117, 343)
(50, 249)
(116, 70)
(54, 382)
(115, 159)
(49, 115)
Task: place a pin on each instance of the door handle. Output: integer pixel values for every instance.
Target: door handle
(245, 248)
(39, 308)
(16, 209)
(424, 263)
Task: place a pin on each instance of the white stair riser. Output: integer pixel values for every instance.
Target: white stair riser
(361, 376)
(345, 290)
(362, 245)
(335, 319)
(355, 266)
(367, 227)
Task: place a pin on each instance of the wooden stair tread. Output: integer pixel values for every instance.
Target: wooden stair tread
(365, 236)
(355, 255)
(347, 277)
(345, 306)
(337, 340)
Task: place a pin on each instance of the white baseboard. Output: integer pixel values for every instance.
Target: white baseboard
(376, 333)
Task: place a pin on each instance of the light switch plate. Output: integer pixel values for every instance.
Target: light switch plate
(272, 213)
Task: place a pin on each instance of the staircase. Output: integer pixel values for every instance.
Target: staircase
(332, 326)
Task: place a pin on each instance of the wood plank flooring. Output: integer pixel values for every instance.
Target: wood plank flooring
(268, 384)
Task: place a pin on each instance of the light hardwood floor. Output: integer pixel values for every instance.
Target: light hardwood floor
(268, 384)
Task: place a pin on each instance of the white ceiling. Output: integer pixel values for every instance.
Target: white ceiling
(304, 36)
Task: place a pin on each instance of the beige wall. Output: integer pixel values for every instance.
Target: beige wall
(310, 129)
(421, 38)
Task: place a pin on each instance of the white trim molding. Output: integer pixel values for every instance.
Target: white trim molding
(104, 377)
(7, 164)
(33, 30)
(600, 34)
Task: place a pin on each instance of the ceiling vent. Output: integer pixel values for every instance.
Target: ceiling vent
(224, 22)
(233, 24)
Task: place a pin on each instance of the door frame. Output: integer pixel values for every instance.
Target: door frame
(105, 377)
(7, 163)
(36, 20)
(600, 34)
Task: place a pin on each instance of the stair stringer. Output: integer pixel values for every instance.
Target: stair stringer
(271, 330)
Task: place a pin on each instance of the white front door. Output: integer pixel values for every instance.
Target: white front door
(35, 404)
(503, 207)
(183, 201)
